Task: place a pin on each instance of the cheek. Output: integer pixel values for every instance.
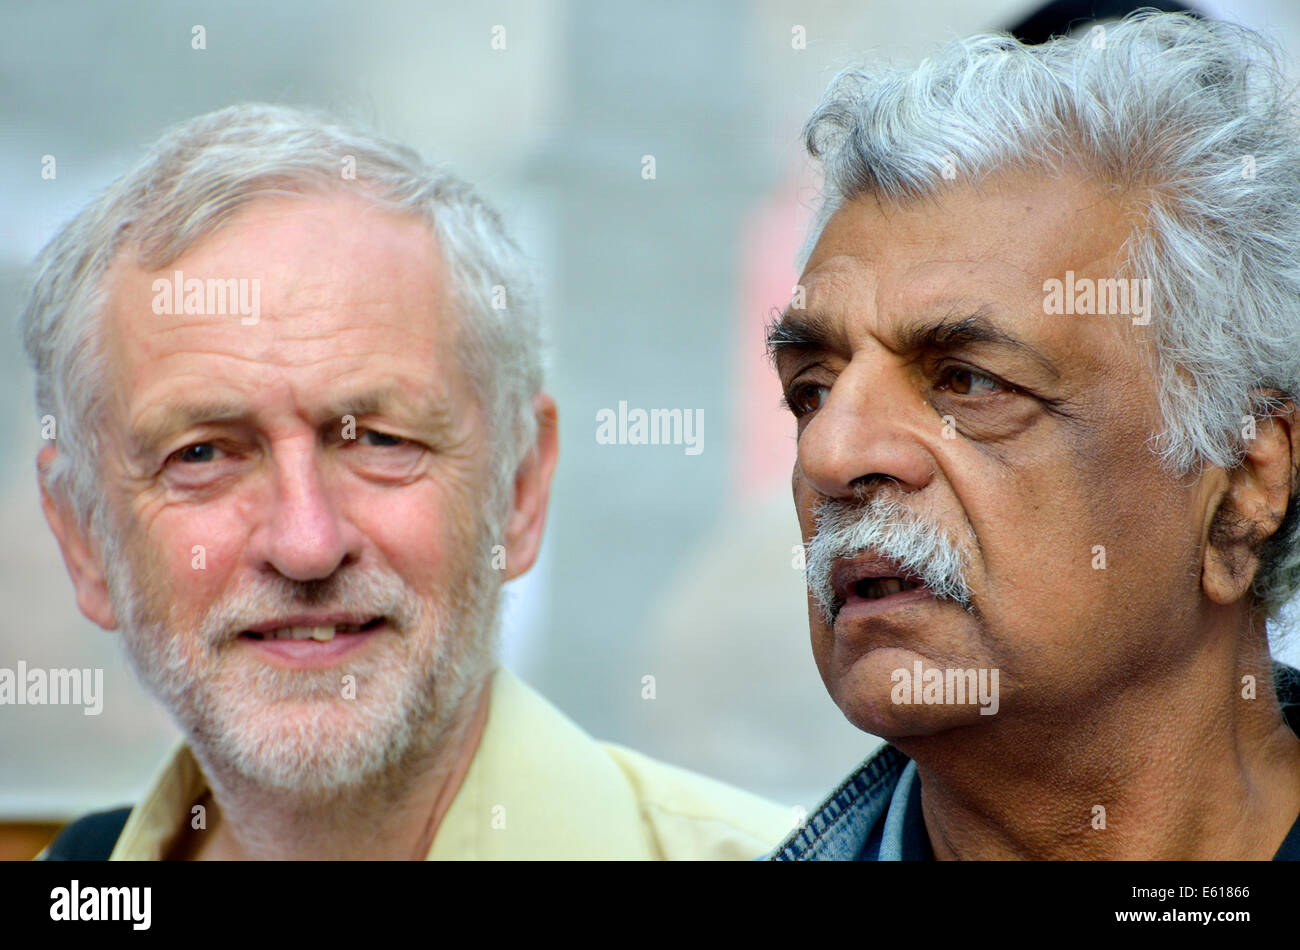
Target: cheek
(195, 556)
(821, 636)
(1085, 547)
(823, 650)
(422, 535)
(200, 549)
(1041, 586)
(1133, 520)
(804, 499)
(184, 560)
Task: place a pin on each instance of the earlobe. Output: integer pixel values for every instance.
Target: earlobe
(532, 491)
(1251, 507)
(81, 556)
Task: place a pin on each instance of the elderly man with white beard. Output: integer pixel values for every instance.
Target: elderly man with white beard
(1089, 508)
(302, 442)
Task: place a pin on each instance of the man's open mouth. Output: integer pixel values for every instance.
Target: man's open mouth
(873, 588)
(870, 579)
(321, 634)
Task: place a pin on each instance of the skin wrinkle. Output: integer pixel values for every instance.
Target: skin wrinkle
(1118, 686)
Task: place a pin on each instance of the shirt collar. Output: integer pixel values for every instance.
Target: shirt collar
(537, 787)
(902, 835)
(164, 810)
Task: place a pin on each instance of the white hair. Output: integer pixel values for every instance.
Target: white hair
(195, 177)
(1193, 121)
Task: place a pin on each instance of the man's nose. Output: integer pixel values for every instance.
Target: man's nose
(870, 427)
(305, 536)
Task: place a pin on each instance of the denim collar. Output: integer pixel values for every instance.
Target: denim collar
(840, 828)
(875, 814)
(902, 835)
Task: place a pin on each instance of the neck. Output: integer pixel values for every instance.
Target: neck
(389, 820)
(1184, 766)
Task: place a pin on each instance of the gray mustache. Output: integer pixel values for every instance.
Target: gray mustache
(889, 529)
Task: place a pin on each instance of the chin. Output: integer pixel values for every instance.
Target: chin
(294, 732)
(881, 694)
(330, 748)
(881, 717)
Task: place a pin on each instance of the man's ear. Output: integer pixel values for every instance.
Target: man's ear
(532, 491)
(81, 555)
(1252, 506)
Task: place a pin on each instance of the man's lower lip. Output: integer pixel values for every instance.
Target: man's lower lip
(857, 608)
(312, 654)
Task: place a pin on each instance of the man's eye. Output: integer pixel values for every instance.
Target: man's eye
(806, 398)
(199, 452)
(968, 382)
(382, 438)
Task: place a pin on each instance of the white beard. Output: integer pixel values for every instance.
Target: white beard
(294, 731)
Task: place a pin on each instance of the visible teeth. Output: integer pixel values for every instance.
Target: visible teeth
(322, 634)
(877, 587)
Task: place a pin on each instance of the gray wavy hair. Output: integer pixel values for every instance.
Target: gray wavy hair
(1194, 121)
(200, 173)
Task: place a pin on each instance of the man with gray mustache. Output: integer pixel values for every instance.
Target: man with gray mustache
(1045, 545)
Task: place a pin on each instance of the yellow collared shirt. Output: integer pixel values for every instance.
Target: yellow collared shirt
(539, 787)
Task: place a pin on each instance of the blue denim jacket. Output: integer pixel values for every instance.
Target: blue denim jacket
(875, 814)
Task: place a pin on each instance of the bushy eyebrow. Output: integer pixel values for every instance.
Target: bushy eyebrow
(949, 333)
(156, 428)
(803, 330)
(812, 331)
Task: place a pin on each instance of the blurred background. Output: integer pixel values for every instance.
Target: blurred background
(657, 562)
